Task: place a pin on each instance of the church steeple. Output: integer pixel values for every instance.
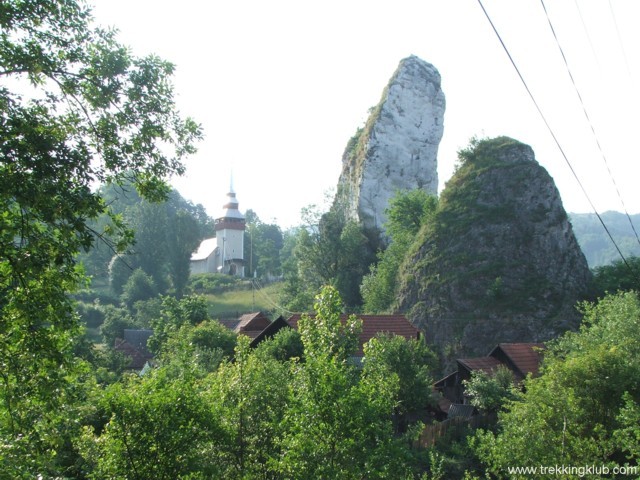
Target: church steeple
(230, 227)
(225, 252)
(230, 213)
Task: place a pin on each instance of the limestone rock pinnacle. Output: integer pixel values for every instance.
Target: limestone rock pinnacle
(397, 148)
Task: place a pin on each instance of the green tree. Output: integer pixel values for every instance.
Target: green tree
(157, 427)
(411, 362)
(627, 436)
(284, 345)
(578, 410)
(115, 322)
(296, 294)
(489, 392)
(355, 257)
(300, 284)
(318, 249)
(333, 251)
(619, 276)
(146, 311)
(139, 287)
(324, 334)
(165, 236)
(337, 424)
(200, 347)
(77, 109)
(189, 310)
(250, 396)
(408, 211)
(262, 245)
(149, 252)
(183, 237)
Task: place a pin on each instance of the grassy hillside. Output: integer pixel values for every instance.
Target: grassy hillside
(238, 301)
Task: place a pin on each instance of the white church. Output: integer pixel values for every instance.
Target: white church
(223, 253)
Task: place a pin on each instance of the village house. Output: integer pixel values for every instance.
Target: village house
(134, 346)
(258, 327)
(521, 359)
(373, 325)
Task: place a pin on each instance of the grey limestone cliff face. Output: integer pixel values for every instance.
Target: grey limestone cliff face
(500, 262)
(397, 149)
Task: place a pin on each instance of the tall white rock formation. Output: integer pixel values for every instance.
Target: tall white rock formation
(397, 148)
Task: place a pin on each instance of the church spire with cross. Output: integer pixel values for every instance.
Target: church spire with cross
(230, 227)
(223, 253)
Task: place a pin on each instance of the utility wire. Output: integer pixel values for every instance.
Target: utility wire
(586, 114)
(513, 63)
(624, 53)
(586, 31)
(272, 302)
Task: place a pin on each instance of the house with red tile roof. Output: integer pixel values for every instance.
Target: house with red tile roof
(258, 327)
(373, 325)
(249, 324)
(521, 358)
(134, 346)
(273, 328)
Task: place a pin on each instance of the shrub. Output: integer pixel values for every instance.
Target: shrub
(213, 283)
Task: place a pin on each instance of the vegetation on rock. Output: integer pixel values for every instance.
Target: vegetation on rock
(498, 259)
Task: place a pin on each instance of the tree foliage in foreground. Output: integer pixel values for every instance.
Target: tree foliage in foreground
(253, 416)
(338, 422)
(76, 109)
(249, 398)
(583, 409)
(158, 427)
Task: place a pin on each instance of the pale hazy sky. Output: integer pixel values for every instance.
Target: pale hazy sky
(280, 86)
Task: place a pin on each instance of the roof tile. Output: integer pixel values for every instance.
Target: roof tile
(373, 325)
(525, 356)
(486, 364)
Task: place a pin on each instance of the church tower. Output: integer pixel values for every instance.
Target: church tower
(230, 228)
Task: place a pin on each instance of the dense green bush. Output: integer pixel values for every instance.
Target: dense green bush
(91, 314)
(96, 296)
(214, 283)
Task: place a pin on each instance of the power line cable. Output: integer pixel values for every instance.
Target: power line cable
(586, 114)
(273, 303)
(632, 90)
(544, 119)
(586, 31)
(624, 53)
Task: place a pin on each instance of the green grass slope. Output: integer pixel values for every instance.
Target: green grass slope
(239, 301)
